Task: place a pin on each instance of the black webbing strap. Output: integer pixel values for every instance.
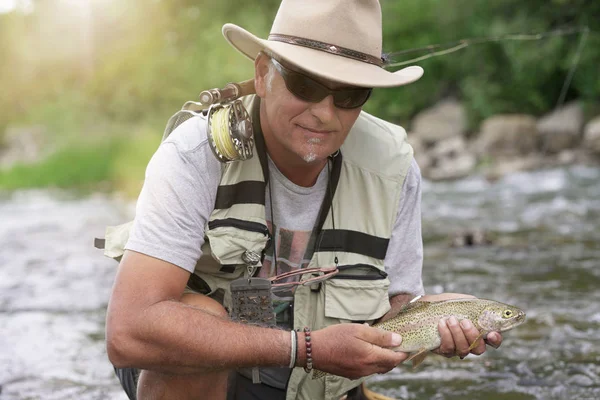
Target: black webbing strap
(353, 242)
(259, 141)
(245, 192)
(332, 184)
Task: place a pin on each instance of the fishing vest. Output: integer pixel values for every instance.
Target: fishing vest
(353, 228)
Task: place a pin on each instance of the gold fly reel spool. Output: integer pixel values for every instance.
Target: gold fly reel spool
(230, 133)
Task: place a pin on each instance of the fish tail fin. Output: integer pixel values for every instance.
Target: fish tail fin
(371, 395)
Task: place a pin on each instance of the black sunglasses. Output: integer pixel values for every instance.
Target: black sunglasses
(307, 89)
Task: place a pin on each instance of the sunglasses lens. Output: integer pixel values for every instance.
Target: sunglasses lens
(351, 98)
(312, 91)
(304, 87)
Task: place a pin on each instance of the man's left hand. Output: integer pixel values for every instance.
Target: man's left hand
(457, 336)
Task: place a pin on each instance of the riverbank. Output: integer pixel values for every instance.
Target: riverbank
(114, 157)
(447, 149)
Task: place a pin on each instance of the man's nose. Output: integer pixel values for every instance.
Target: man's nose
(324, 110)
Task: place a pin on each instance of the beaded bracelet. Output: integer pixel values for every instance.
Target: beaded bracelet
(309, 360)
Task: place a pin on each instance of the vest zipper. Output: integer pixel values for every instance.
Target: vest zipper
(240, 224)
(374, 273)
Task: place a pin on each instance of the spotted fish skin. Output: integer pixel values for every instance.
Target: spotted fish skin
(417, 323)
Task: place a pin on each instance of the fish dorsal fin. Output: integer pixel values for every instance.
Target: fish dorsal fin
(414, 305)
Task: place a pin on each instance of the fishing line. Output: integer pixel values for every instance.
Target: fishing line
(576, 57)
(452, 47)
(220, 133)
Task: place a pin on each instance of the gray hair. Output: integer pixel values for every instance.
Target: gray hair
(271, 72)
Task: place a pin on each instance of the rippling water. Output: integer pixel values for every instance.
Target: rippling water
(544, 256)
(54, 288)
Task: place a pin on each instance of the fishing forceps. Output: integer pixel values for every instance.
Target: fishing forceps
(323, 274)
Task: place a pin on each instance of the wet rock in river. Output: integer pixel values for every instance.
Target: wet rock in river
(506, 135)
(507, 165)
(445, 120)
(561, 129)
(450, 159)
(591, 136)
(471, 237)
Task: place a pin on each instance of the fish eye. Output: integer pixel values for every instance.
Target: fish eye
(507, 314)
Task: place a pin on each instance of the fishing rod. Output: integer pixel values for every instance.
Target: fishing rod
(229, 126)
(452, 47)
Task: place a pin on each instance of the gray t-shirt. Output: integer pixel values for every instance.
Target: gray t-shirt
(179, 193)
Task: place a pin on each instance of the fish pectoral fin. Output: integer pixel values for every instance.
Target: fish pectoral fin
(418, 357)
(476, 341)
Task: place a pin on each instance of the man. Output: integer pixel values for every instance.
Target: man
(334, 186)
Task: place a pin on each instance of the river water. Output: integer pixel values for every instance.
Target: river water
(542, 253)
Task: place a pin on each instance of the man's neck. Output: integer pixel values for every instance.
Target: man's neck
(290, 165)
(301, 173)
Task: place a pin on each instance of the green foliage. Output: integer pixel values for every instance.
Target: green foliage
(111, 162)
(77, 166)
(119, 69)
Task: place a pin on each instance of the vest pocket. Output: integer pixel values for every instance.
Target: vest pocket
(353, 298)
(356, 299)
(230, 238)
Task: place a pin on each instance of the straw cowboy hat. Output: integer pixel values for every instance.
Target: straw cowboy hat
(339, 40)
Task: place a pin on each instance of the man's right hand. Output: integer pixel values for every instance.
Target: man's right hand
(355, 350)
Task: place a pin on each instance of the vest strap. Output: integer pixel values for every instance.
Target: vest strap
(353, 242)
(245, 192)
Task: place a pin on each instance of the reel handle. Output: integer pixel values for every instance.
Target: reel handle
(231, 91)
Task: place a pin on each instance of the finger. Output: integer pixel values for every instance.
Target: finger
(389, 359)
(461, 343)
(447, 343)
(403, 357)
(494, 339)
(381, 338)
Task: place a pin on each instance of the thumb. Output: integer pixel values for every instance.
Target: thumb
(383, 338)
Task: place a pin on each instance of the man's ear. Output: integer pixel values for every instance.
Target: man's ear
(261, 69)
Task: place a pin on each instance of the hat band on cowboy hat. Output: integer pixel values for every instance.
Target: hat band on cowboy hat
(327, 47)
(337, 40)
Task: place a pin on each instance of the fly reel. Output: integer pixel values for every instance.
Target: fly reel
(229, 130)
(230, 133)
(229, 126)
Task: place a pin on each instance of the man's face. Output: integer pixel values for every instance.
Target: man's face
(305, 131)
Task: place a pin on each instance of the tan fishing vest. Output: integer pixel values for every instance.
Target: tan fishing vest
(366, 184)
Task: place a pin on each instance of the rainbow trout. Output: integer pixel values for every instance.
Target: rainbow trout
(417, 323)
